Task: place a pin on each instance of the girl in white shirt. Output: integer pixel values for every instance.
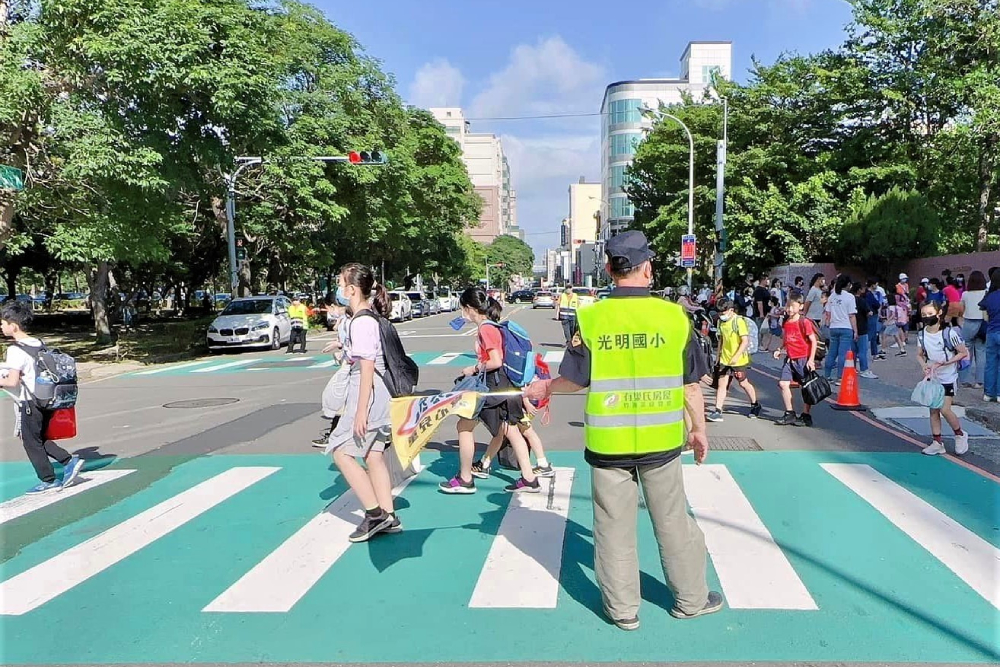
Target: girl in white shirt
(939, 357)
(972, 322)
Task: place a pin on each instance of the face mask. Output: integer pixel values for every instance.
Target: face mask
(342, 298)
(726, 317)
(929, 321)
(457, 323)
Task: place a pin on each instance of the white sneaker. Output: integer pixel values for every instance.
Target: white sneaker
(868, 374)
(934, 449)
(894, 346)
(961, 443)
(989, 399)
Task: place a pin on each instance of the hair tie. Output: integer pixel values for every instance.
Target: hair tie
(374, 284)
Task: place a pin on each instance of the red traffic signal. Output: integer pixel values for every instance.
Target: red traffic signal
(366, 157)
(354, 157)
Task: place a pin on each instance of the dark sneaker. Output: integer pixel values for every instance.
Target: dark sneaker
(713, 605)
(787, 419)
(627, 624)
(455, 485)
(804, 420)
(714, 416)
(521, 485)
(543, 471)
(370, 526)
(71, 470)
(42, 487)
(480, 471)
(396, 526)
(755, 410)
(320, 441)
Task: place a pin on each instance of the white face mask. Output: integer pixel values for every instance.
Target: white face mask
(726, 317)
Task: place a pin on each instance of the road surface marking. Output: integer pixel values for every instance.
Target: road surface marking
(554, 356)
(279, 581)
(46, 581)
(963, 552)
(288, 358)
(324, 364)
(22, 505)
(753, 570)
(174, 367)
(231, 364)
(522, 567)
(445, 358)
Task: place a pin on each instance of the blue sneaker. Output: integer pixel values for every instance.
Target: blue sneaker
(42, 487)
(71, 470)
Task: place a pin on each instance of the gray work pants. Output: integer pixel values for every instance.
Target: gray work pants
(682, 544)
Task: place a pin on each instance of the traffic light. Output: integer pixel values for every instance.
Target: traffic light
(366, 157)
(241, 251)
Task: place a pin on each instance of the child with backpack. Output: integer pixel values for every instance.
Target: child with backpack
(499, 414)
(20, 364)
(365, 429)
(334, 395)
(801, 340)
(739, 336)
(942, 352)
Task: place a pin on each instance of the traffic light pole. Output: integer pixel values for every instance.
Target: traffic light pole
(374, 158)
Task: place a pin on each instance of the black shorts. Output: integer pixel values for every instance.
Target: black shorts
(738, 373)
(500, 410)
(794, 370)
(949, 389)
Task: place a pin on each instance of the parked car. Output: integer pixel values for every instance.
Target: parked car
(402, 308)
(543, 300)
(422, 306)
(585, 296)
(522, 296)
(432, 301)
(448, 299)
(257, 321)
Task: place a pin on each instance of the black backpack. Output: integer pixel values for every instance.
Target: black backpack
(401, 372)
(55, 377)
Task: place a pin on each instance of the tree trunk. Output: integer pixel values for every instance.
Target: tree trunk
(12, 273)
(985, 192)
(98, 297)
(246, 280)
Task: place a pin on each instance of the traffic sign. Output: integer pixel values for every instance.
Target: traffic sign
(688, 251)
(11, 178)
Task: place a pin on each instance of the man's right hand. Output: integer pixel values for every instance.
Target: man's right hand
(698, 440)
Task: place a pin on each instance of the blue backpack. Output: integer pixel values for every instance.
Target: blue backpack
(518, 360)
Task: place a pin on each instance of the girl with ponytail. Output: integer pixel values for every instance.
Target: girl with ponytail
(502, 415)
(365, 428)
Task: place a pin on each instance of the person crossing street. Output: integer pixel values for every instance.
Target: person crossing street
(299, 315)
(635, 355)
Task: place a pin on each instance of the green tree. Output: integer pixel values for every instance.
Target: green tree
(885, 230)
(516, 256)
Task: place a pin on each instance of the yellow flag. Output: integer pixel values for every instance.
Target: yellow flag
(416, 418)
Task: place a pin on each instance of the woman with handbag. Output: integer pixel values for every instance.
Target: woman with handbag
(500, 414)
(800, 342)
(973, 329)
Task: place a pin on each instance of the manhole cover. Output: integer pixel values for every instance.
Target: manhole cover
(201, 403)
(728, 444)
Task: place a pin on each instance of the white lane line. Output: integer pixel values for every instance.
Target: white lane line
(753, 570)
(231, 364)
(279, 360)
(286, 574)
(554, 356)
(324, 364)
(969, 556)
(88, 479)
(522, 567)
(46, 581)
(444, 359)
(173, 367)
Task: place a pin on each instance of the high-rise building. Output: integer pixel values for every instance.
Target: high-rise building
(490, 175)
(623, 126)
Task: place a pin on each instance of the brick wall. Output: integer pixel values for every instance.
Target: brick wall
(926, 267)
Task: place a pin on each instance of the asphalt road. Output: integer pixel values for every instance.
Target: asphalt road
(835, 580)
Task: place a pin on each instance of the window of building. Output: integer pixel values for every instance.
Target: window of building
(621, 207)
(624, 111)
(616, 178)
(708, 70)
(625, 144)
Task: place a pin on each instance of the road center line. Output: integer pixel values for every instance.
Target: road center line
(963, 552)
(46, 581)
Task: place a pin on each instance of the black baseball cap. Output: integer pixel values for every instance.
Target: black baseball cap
(632, 246)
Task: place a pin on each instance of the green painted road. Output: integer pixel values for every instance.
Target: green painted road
(857, 542)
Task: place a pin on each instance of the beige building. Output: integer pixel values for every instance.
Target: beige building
(580, 226)
(489, 172)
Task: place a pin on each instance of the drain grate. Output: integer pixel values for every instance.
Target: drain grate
(730, 444)
(201, 403)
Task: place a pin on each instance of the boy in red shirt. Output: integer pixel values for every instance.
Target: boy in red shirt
(799, 342)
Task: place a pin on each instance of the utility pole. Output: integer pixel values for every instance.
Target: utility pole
(720, 194)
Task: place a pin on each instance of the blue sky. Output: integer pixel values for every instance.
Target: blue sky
(532, 57)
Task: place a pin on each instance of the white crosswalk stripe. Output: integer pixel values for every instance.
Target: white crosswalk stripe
(523, 565)
(554, 356)
(87, 480)
(46, 581)
(231, 364)
(444, 359)
(174, 367)
(324, 364)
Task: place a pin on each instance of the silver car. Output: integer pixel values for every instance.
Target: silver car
(257, 321)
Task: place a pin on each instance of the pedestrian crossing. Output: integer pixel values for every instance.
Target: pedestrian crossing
(821, 556)
(281, 362)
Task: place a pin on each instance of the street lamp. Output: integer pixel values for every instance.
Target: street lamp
(660, 115)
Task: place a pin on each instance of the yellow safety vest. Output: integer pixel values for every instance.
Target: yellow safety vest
(568, 303)
(299, 312)
(635, 403)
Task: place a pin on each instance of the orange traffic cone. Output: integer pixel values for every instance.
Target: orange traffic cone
(849, 398)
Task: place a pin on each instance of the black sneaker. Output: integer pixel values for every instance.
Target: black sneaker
(804, 420)
(370, 526)
(320, 441)
(714, 415)
(544, 471)
(627, 624)
(396, 526)
(523, 486)
(787, 419)
(478, 470)
(755, 410)
(713, 605)
(456, 485)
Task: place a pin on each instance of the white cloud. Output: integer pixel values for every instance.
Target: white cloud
(545, 78)
(437, 84)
